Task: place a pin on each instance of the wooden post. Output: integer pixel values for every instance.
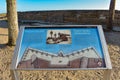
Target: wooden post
(107, 74)
(12, 22)
(111, 15)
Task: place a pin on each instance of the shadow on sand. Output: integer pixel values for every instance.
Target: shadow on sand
(113, 38)
(2, 46)
(3, 24)
(3, 34)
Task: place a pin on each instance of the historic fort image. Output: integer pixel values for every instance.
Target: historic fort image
(58, 37)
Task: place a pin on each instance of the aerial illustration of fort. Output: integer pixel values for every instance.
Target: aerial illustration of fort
(61, 48)
(86, 58)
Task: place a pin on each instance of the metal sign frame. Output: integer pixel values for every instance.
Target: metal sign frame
(102, 39)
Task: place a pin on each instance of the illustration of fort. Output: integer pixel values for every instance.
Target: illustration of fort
(57, 36)
(85, 58)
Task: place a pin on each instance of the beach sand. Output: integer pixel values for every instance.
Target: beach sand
(6, 53)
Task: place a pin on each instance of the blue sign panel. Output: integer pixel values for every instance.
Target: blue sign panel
(61, 47)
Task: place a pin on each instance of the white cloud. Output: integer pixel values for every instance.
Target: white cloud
(117, 5)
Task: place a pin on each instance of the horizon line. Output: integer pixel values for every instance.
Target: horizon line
(63, 10)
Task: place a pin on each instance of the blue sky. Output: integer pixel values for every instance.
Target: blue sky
(32, 5)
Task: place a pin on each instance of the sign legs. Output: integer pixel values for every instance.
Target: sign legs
(107, 74)
(15, 75)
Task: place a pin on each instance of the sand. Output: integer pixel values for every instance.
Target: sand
(6, 53)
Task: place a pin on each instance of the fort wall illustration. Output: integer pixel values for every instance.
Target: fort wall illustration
(31, 55)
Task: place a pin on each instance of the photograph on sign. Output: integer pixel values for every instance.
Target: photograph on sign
(58, 37)
(60, 47)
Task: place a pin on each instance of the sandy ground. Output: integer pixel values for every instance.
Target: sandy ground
(6, 53)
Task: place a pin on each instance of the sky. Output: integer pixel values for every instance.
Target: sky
(35, 5)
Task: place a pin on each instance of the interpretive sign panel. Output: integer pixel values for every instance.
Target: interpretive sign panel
(61, 47)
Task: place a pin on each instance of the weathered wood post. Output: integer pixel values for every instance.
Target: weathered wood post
(111, 15)
(12, 22)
